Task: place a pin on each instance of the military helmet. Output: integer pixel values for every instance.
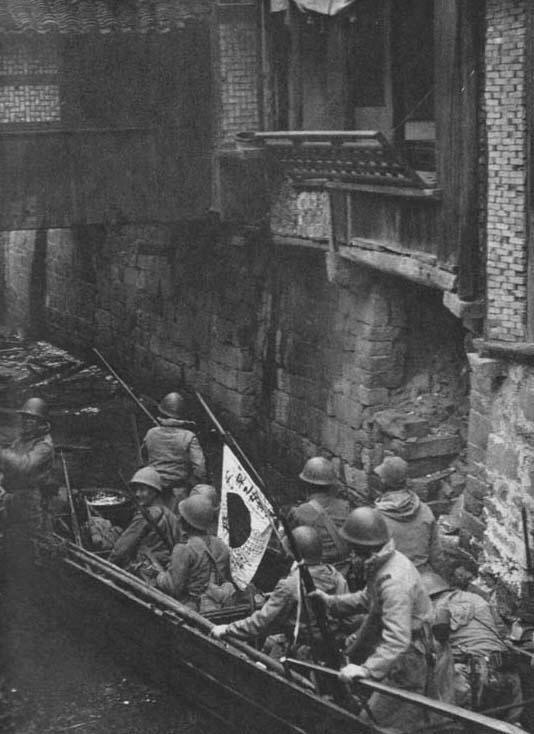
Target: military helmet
(147, 476)
(318, 470)
(365, 526)
(392, 472)
(434, 583)
(36, 408)
(197, 511)
(207, 491)
(309, 543)
(172, 405)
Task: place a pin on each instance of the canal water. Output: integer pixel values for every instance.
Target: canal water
(52, 678)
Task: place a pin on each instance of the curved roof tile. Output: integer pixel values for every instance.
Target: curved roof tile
(97, 16)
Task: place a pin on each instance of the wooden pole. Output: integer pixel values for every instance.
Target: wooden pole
(439, 707)
(74, 517)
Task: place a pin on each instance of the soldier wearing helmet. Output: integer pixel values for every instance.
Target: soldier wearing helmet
(395, 597)
(141, 548)
(322, 510)
(279, 613)
(411, 522)
(173, 449)
(199, 571)
(27, 466)
(485, 671)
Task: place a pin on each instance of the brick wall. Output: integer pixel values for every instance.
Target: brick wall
(28, 92)
(238, 71)
(506, 134)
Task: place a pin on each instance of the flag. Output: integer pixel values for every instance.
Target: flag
(244, 519)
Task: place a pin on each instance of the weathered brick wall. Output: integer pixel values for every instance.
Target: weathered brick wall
(28, 91)
(237, 69)
(506, 135)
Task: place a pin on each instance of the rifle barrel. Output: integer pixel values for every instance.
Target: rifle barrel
(126, 387)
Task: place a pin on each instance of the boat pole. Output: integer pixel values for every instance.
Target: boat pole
(125, 386)
(73, 516)
(332, 652)
(439, 707)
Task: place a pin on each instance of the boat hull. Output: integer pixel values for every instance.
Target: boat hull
(183, 660)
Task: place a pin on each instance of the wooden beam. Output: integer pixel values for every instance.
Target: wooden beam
(403, 266)
(519, 351)
(282, 241)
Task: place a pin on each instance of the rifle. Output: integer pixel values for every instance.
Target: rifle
(144, 512)
(74, 517)
(333, 654)
(125, 387)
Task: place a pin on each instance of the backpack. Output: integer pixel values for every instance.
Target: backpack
(218, 593)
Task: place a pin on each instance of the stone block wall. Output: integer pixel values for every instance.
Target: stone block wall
(296, 365)
(501, 464)
(505, 113)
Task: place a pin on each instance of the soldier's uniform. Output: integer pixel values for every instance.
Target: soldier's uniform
(279, 613)
(323, 510)
(141, 548)
(173, 449)
(199, 570)
(394, 593)
(410, 521)
(484, 668)
(27, 466)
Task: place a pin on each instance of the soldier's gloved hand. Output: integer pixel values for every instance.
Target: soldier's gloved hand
(219, 631)
(351, 671)
(320, 596)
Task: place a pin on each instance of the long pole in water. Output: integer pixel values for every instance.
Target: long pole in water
(125, 386)
(334, 654)
(439, 707)
(74, 517)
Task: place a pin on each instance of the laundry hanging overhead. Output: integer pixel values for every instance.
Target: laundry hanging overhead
(324, 7)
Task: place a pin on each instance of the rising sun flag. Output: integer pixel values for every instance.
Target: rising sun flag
(244, 520)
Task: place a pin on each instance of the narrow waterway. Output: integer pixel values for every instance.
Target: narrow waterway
(54, 676)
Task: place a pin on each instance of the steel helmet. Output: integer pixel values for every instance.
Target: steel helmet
(207, 491)
(172, 405)
(309, 543)
(434, 583)
(35, 407)
(318, 470)
(147, 476)
(365, 526)
(197, 511)
(392, 471)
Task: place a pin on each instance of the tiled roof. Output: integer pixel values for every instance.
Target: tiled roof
(97, 16)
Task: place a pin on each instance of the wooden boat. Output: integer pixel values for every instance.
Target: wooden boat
(233, 682)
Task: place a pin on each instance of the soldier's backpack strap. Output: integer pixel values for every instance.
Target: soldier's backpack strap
(331, 528)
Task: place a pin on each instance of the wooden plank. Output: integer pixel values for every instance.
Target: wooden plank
(401, 266)
(283, 241)
(509, 350)
(457, 39)
(445, 709)
(402, 191)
